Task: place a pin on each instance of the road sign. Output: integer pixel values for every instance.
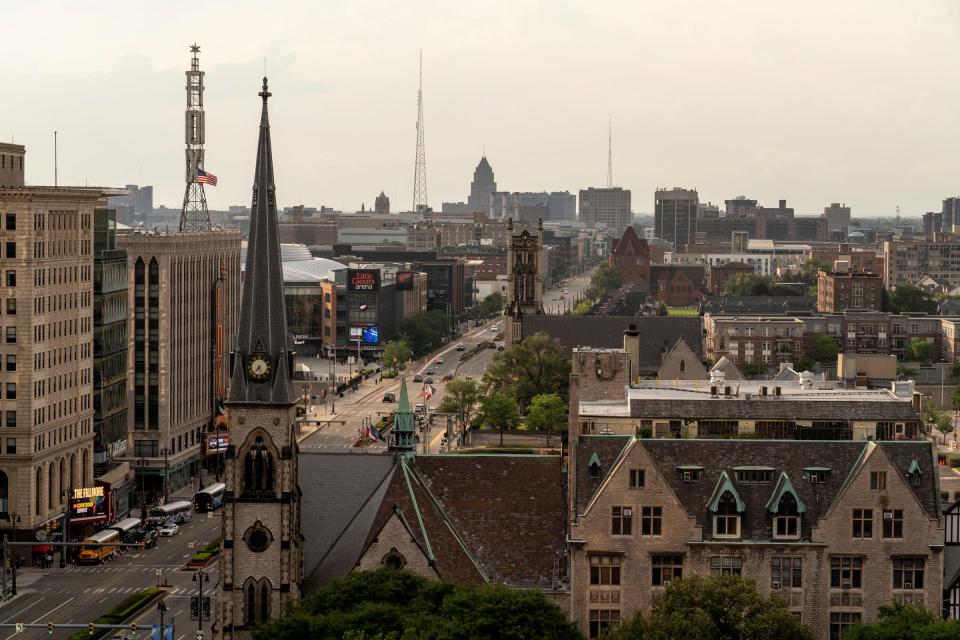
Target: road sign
(189, 545)
(199, 635)
(19, 628)
(156, 572)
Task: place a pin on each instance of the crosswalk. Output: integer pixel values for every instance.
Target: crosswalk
(120, 569)
(174, 591)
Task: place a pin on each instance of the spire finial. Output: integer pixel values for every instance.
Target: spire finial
(265, 93)
(194, 48)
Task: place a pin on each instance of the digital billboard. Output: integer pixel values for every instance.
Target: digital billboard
(371, 335)
(405, 280)
(363, 279)
(88, 503)
(356, 332)
(218, 441)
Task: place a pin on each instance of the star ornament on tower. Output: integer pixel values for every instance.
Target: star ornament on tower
(194, 48)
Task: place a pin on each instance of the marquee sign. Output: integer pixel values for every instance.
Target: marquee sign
(363, 279)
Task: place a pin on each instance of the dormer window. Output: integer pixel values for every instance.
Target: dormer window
(913, 474)
(690, 473)
(816, 475)
(786, 507)
(726, 522)
(594, 465)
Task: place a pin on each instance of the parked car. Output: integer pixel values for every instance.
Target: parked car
(389, 397)
(168, 530)
(439, 361)
(428, 380)
(418, 378)
(461, 347)
(418, 408)
(429, 372)
(447, 378)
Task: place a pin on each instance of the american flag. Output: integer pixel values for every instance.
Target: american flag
(428, 391)
(204, 177)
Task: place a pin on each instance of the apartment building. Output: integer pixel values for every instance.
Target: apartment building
(843, 289)
(906, 261)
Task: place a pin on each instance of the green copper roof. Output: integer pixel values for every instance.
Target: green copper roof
(594, 460)
(914, 468)
(784, 486)
(403, 423)
(724, 485)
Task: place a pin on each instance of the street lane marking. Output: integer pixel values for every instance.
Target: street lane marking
(29, 606)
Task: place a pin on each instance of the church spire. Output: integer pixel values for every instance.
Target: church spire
(403, 427)
(261, 366)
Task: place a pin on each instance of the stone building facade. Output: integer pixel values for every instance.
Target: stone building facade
(525, 272)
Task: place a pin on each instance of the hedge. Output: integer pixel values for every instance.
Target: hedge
(129, 606)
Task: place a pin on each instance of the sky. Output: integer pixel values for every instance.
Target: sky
(813, 102)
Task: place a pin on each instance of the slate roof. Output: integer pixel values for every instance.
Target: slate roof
(478, 518)
(657, 333)
(767, 305)
(771, 408)
(719, 457)
(630, 240)
(607, 450)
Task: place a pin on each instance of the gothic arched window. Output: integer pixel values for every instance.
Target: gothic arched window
(258, 468)
(251, 608)
(394, 560)
(264, 601)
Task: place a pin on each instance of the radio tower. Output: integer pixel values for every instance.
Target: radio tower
(420, 165)
(194, 214)
(610, 154)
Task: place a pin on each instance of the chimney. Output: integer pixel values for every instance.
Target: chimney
(717, 376)
(631, 345)
(783, 204)
(726, 391)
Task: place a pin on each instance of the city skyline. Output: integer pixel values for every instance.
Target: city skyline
(829, 113)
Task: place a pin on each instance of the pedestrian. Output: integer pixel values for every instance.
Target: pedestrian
(48, 561)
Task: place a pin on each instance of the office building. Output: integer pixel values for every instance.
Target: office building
(482, 187)
(675, 216)
(838, 217)
(906, 261)
(608, 206)
(950, 215)
(171, 357)
(46, 404)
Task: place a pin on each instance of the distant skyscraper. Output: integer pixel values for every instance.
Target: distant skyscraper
(194, 214)
(563, 206)
(382, 203)
(675, 215)
(482, 187)
(609, 206)
(838, 217)
(950, 214)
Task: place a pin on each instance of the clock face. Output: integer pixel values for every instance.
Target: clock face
(258, 368)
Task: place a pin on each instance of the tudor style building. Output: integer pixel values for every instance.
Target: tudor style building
(262, 545)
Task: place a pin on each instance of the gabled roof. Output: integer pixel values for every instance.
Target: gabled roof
(782, 488)
(724, 486)
(631, 244)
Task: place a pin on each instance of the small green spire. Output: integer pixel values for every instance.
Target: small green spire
(403, 423)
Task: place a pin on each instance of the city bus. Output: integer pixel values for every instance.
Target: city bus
(97, 554)
(128, 528)
(209, 498)
(172, 513)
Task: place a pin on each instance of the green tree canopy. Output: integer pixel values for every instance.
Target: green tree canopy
(547, 412)
(602, 280)
(397, 604)
(747, 284)
(525, 370)
(499, 411)
(462, 397)
(905, 622)
(718, 608)
(395, 354)
(425, 332)
(825, 348)
(921, 350)
(909, 298)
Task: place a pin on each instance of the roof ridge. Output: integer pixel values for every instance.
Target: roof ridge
(629, 446)
(416, 509)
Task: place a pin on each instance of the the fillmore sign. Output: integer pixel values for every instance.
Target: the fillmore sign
(363, 280)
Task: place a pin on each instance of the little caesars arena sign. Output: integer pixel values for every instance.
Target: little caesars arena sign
(363, 280)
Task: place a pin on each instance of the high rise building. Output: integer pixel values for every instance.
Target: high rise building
(262, 544)
(950, 214)
(46, 384)
(838, 217)
(563, 206)
(556, 205)
(109, 341)
(172, 277)
(482, 187)
(675, 216)
(382, 204)
(609, 206)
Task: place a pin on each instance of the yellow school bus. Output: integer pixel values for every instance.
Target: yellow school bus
(97, 554)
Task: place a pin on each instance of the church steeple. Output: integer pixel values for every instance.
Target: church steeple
(403, 427)
(261, 365)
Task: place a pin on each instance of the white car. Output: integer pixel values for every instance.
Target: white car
(168, 530)
(494, 328)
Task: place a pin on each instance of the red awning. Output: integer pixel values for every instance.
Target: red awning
(42, 548)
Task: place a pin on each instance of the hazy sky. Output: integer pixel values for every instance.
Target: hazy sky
(814, 101)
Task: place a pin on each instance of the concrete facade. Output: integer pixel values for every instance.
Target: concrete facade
(607, 206)
(907, 261)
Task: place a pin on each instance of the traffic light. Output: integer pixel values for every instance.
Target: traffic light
(49, 628)
(90, 628)
(133, 628)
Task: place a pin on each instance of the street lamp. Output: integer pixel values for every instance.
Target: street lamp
(200, 577)
(166, 468)
(143, 499)
(162, 608)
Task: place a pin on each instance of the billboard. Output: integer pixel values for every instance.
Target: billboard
(218, 441)
(363, 279)
(356, 332)
(89, 504)
(371, 335)
(405, 280)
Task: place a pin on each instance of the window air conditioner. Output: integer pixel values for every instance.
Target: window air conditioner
(628, 512)
(775, 584)
(666, 583)
(888, 515)
(908, 585)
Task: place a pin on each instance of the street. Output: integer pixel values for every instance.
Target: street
(555, 302)
(78, 594)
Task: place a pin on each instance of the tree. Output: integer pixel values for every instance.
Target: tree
(825, 348)
(719, 608)
(499, 411)
(462, 397)
(534, 366)
(559, 269)
(939, 420)
(394, 604)
(746, 284)
(602, 280)
(905, 622)
(956, 399)
(909, 298)
(547, 411)
(425, 332)
(395, 354)
(921, 350)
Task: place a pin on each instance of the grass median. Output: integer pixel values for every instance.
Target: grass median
(127, 608)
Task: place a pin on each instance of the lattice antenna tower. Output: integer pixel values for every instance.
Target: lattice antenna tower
(420, 164)
(610, 153)
(194, 214)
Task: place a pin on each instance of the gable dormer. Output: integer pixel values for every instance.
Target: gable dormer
(726, 505)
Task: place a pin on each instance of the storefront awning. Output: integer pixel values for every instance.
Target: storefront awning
(42, 548)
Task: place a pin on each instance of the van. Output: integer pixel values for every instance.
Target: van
(389, 397)
(418, 408)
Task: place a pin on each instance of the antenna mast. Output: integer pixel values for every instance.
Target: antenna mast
(610, 153)
(194, 214)
(420, 164)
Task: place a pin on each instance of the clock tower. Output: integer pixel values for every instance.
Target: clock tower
(262, 546)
